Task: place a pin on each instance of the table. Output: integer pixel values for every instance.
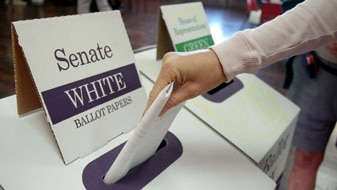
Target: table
(30, 158)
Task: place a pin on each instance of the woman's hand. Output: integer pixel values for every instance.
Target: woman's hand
(194, 74)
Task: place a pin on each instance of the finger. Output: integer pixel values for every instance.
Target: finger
(156, 89)
(179, 95)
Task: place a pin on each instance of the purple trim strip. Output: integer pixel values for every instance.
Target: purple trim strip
(224, 91)
(139, 176)
(71, 99)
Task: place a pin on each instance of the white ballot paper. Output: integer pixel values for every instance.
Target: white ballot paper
(146, 137)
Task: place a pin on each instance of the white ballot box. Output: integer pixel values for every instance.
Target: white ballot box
(30, 158)
(247, 112)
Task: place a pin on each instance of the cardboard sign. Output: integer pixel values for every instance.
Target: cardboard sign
(182, 28)
(81, 69)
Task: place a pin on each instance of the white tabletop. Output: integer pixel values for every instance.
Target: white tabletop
(30, 158)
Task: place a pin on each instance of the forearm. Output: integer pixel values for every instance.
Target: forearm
(308, 26)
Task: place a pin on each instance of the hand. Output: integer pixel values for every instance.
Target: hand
(194, 74)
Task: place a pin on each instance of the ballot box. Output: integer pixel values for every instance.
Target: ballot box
(246, 112)
(66, 133)
(30, 158)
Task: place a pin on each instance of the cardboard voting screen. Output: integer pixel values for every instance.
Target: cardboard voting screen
(81, 69)
(182, 28)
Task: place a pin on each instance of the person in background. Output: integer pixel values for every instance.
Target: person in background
(83, 6)
(313, 87)
(308, 26)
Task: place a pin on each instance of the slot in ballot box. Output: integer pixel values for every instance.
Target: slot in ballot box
(30, 158)
(251, 115)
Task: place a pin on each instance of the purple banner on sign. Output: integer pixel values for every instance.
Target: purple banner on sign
(71, 99)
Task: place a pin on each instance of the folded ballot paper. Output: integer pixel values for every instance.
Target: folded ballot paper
(146, 137)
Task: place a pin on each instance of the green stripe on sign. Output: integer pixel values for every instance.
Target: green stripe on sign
(195, 44)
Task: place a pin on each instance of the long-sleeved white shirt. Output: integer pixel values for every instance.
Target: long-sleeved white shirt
(309, 25)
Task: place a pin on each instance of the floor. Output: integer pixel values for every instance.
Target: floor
(225, 18)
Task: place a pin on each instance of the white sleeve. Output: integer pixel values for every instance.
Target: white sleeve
(309, 25)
